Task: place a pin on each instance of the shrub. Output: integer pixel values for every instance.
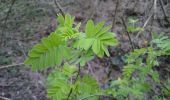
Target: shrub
(68, 47)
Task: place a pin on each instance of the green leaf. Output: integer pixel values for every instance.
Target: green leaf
(98, 27)
(87, 43)
(58, 84)
(107, 36)
(105, 50)
(97, 38)
(85, 58)
(57, 88)
(104, 30)
(96, 46)
(110, 42)
(66, 28)
(162, 42)
(88, 86)
(69, 20)
(78, 26)
(134, 29)
(60, 19)
(47, 53)
(69, 69)
(89, 28)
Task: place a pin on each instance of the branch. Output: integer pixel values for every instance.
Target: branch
(130, 40)
(153, 7)
(4, 25)
(12, 65)
(145, 24)
(115, 13)
(4, 98)
(59, 7)
(164, 12)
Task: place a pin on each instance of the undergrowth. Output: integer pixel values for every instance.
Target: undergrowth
(68, 49)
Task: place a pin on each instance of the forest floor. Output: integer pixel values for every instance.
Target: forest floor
(25, 27)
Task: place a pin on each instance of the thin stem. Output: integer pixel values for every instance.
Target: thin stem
(69, 93)
(115, 13)
(145, 24)
(71, 90)
(130, 40)
(59, 7)
(12, 65)
(4, 98)
(5, 22)
(164, 12)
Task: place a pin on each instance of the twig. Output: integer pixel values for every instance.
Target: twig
(164, 12)
(115, 13)
(145, 24)
(97, 95)
(12, 65)
(71, 90)
(148, 19)
(155, 8)
(4, 98)
(59, 7)
(5, 22)
(130, 40)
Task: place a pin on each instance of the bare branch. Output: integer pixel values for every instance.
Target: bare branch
(115, 13)
(145, 24)
(4, 98)
(5, 22)
(12, 65)
(164, 12)
(59, 7)
(130, 40)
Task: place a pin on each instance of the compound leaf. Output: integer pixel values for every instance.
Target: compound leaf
(46, 53)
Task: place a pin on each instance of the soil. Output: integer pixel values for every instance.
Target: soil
(20, 83)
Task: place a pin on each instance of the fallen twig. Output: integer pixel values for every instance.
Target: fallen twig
(12, 65)
(4, 98)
